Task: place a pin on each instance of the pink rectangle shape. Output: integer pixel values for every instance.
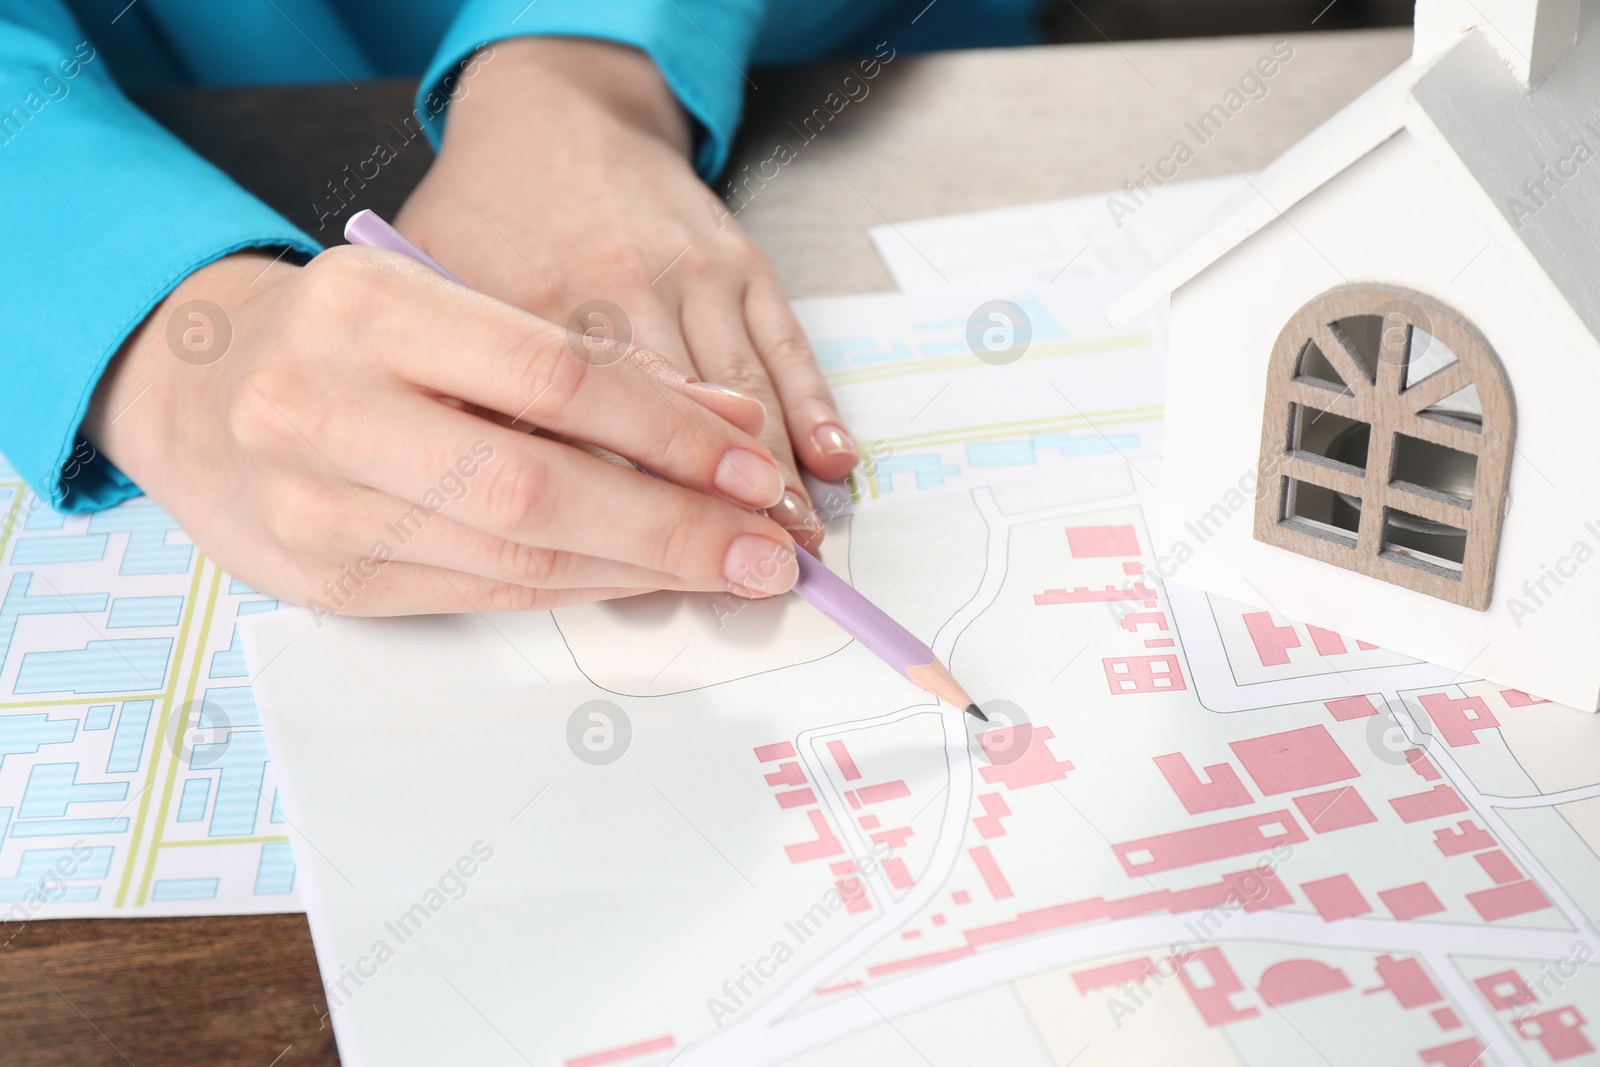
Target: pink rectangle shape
(627, 1052)
(895, 869)
(1516, 698)
(1459, 719)
(911, 964)
(1440, 800)
(897, 837)
(1336, 897)
(868, 822)
(1201, 844)
(1498, 865)
(825, 845)
(1129, 675)
(1082, 594)
(1114, 975)
(1326, 642)
(1467, 837)
(1021, 757)
(1159, 642)
(1221, 788)
(1090, 541)
(841, 756)
(777, 750)
(1272, 641)
(786, 774)
(999, 888)
(1411, 901)
(995, 809)
(1505, 901)
(1132, 568)
(1350, 708)
(854, 894)
(1406, 978)
(796, 798)
(877, 794)
(1419, 763)
(1334, 810)
(1294, 759)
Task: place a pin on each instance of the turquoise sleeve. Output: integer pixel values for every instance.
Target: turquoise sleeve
(702, 48)
(106, 213)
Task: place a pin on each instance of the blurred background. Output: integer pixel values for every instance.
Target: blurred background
(1082, 21)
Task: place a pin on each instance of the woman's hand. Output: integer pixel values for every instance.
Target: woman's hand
(564, 179)
(352, 434)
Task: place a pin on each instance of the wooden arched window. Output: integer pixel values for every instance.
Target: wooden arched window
(1386, 443)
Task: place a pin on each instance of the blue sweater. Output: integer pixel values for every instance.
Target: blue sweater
(105, 212)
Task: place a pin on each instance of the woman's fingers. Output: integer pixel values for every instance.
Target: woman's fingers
(418, 589)
(741, 409)
(816, 429)
(532, 490)
(714, 326)
(473, 348)
(674, 371)
(450, 544)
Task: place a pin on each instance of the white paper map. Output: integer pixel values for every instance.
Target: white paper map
(1210, 835)
(122, 688)
(1032, 245)
(134, 776)
(1061, 386)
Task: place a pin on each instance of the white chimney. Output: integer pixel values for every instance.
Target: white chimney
(1530, 35)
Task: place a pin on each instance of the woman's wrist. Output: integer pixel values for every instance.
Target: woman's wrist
(162, 364)
(517, 78)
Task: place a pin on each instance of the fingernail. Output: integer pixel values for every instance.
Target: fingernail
(759, 565)
(750, 478)
(724, 390)
(793, 513)
(833, 441)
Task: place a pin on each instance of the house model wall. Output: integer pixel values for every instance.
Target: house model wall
(1458, 198)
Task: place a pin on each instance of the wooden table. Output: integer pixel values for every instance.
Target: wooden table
(935, 134)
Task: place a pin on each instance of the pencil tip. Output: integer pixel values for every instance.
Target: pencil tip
(973, 709)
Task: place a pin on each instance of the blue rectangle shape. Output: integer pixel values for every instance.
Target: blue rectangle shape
(54, 787)
(192, 804)
(128, 663)
(99, 717)
(275, 872)
(228, 706)
(58, 827)
(39, 865)
(78, 548)
(127, 745)
(185, 889)
(145, 611)
(1001, 453)
(44, 517)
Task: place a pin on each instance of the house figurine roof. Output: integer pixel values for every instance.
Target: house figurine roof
(1505, 95)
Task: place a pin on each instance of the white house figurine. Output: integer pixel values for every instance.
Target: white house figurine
(1383, 410)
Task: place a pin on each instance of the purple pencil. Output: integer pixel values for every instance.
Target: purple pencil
(819, 586)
